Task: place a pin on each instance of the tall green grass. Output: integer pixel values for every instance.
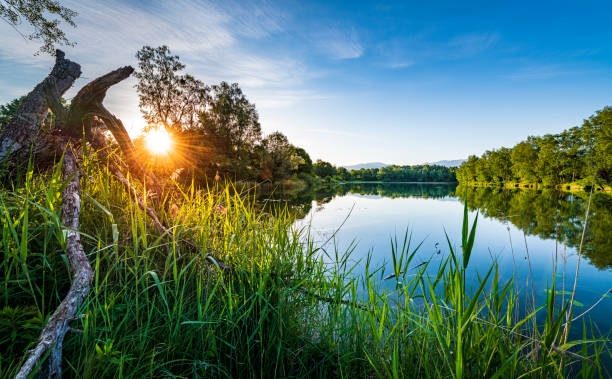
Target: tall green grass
(287, 308)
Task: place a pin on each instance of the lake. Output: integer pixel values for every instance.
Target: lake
(525, 231)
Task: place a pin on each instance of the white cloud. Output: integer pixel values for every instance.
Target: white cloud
(255, 19)
(339, 43)
(424, 48)
(271, 98)
(217, 40)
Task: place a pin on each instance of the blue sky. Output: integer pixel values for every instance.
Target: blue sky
(401, 82)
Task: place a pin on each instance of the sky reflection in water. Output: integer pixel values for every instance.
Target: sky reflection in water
(375, 219)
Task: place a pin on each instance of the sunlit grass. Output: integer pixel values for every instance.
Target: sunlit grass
(158, 307)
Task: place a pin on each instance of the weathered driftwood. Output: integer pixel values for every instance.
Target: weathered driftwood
(24, 134)
(86, 118)
(52, 336)
(25, 137)
(87, 111)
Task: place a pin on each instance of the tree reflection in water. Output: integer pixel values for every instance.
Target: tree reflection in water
(549, 214)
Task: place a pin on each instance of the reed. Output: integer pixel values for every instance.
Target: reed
(286, 308)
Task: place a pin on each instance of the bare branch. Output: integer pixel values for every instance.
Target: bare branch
(52, 336)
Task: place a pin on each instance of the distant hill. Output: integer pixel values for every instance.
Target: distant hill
(448, 163)
(366, 165)
(445, 163)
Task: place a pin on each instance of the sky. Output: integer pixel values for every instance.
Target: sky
(399, 82)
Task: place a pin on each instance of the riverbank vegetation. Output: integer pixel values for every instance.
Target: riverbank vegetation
(391, 173)
(577, 158)
(159, 307)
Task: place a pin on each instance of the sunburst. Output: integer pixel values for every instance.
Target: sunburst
(159, 141)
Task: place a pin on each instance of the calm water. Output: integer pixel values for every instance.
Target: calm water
(520, 229)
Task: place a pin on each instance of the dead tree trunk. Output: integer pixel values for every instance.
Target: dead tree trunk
(87, 112)
(86, 118)
(25, 137)
(24, 134)
(52, 336)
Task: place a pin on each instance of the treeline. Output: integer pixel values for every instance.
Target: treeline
(393, 173)
(581, 156)
(217, 133)
(215, 129)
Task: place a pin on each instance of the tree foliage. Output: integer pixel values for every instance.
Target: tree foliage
(44, 16)
(392, 173)
(8, 110)
(166, 95)
(231, 125)
(323, 169)
(217, 128)
(579, 154)
(279, 159)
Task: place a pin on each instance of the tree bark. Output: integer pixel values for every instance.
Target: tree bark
(23, 133)
(87, 111)
(86, 118)
(52, 336)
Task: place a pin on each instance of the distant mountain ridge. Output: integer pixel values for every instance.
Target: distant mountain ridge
(448, 162)
(445, 163)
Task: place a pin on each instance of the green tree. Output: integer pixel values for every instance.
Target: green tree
(466, 173)
(305, 166)
(324, 170)
(343, 174)
(597, 136)
(8, 110)
(524, 157)
(167, 96)
(231, 123)
(500, 165)
(44, 16)
(278, 157)
(579, 154)
(483, 172)
(547, 165)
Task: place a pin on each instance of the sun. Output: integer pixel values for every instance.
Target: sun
(159, 141)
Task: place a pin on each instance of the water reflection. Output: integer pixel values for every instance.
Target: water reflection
(548, 214)
(301, 202)
(531, 235)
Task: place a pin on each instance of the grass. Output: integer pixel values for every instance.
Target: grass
(287, 308)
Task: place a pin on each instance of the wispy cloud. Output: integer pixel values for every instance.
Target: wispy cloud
(339, 42)
(255, 19)
(217, 40)
(395, 54)
(248, 70)
(274, 98)
(469, 45)
(423, 48)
